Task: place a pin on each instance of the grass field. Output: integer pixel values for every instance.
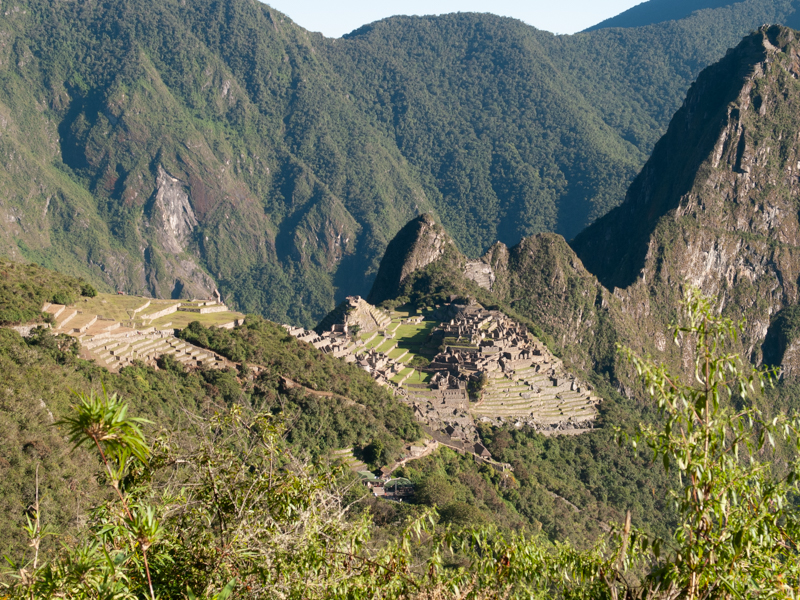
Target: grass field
(386, 345)
(120, 308)
(412, 337)
(419, 377)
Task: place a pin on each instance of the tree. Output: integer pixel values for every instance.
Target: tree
(739, 532)
(476, 386)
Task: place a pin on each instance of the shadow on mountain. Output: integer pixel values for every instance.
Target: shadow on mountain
(615, 247)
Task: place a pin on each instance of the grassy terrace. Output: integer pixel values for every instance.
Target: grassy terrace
(413, 337)
(419, 377)
(180, 320)
(120, 308)
(399, 377)
(408, 343)
(386, 345)
(397, 353)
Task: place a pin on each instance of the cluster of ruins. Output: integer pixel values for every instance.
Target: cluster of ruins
(341, 339)
(143, 335)
(487, 366)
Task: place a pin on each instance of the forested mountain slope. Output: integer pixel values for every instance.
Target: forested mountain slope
(658, 11)
(715, 208)
(170, 148)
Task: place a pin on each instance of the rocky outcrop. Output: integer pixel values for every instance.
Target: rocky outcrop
(170, 269)
(418, 244)
(172, 216)
(716, 206)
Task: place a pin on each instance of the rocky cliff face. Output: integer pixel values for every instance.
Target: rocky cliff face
(172, 216)
(418, 244)
(717, 205)
(171, 270)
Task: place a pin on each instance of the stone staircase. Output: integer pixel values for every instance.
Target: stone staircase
(382, 318)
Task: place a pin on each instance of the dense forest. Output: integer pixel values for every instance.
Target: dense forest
(284, 162)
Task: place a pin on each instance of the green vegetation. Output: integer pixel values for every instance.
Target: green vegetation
(658, 11)
(38, 373)
(24, 289)
(302, 156)
(356, 411)
(231, 510)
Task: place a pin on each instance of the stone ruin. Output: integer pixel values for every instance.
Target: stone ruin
(523, 383)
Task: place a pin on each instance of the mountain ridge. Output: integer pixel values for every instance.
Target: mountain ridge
(652, 12)
(285, 162)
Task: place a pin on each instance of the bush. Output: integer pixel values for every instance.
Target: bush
(88, 290)
(64, 297)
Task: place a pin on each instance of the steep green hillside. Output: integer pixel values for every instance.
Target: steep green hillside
(170, 148)
(24, 289)
(714, 208)
(38, 375)
(658, 11)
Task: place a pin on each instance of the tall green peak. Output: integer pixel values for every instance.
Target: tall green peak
(419, 243)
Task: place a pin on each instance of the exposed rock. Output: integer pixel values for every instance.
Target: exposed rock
(481, 273)
(172, 216)
(415, 246)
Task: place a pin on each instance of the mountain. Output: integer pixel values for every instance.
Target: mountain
(723, 216)
(418, 244)
(716, 205)
(170, 148)
(658, 11)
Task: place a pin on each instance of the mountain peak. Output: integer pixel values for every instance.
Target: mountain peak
(717, 130)
(419, 243)
(716, 206)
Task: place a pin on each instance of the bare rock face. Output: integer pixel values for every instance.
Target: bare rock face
(481, 273)
(170, 269)
(717, 204)
(418, 244)
(172, 216)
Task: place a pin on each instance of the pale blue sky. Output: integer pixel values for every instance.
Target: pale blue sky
(335, 18)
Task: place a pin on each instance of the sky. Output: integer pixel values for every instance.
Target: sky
(335, 18)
